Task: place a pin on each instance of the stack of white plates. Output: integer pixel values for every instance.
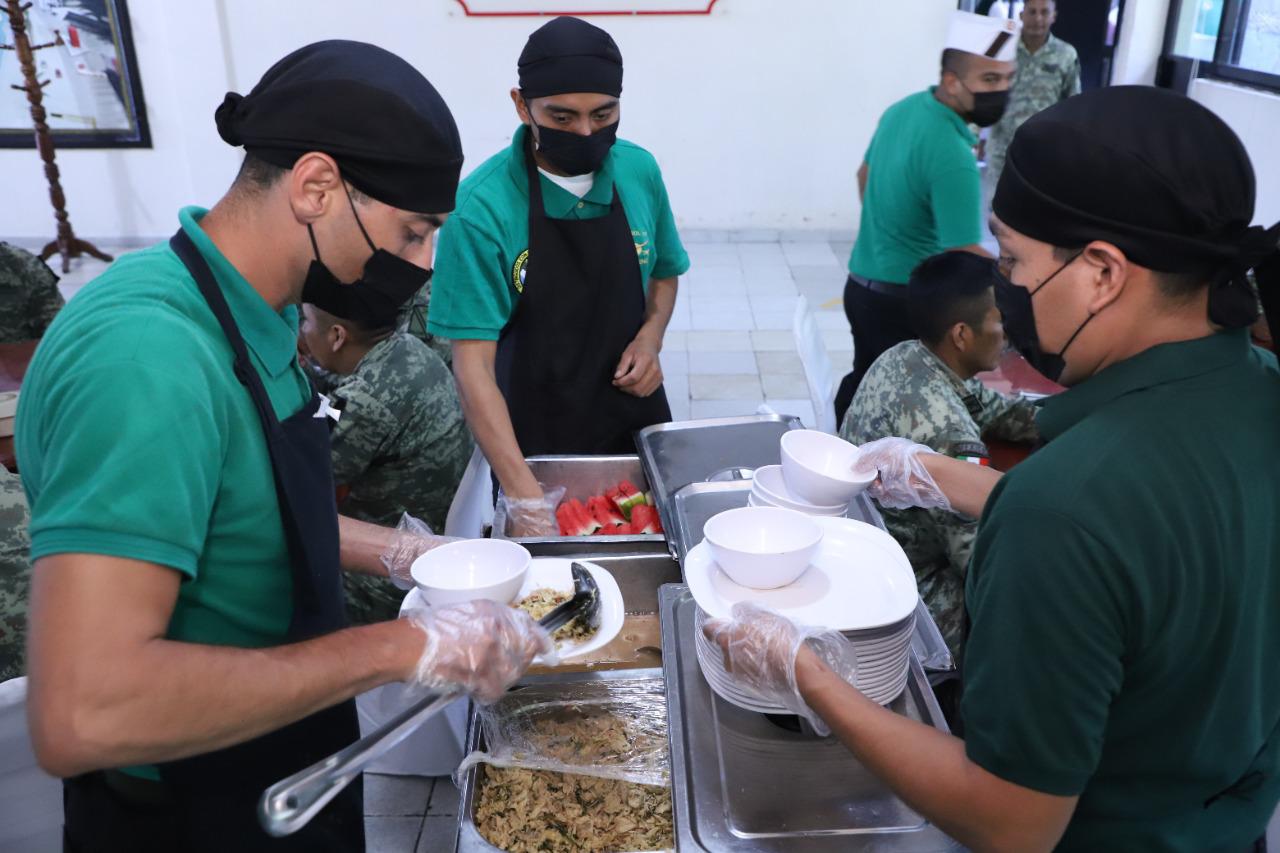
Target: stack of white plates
(768, 488)
(859, 583)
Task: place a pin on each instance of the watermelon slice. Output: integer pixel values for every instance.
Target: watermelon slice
(575, 520)
(626, 497)
(644, 520)
(606, 512)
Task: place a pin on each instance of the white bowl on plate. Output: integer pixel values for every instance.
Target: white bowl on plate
(471, 569)
(762, 547)
(818, 467)
(769, 488)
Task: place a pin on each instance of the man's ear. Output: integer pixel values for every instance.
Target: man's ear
(315, 183)
(338, 338)
(961, 337)
(1109, 271)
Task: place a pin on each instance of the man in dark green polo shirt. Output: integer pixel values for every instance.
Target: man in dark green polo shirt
(556, 275)
(919, 186)
(1120, 674)
(187, 645)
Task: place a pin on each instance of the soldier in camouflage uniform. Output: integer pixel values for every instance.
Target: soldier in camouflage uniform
(1048, 72)
(15, 574)
(413, 319)
(401, 444)
(925, 390)
(29, 296)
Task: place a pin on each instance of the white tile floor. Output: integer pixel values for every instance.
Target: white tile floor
(729, 348)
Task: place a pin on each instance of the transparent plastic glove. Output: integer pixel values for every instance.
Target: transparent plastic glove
(760, 647)
(413, 539)
(478, 647)
(533, 516)
(903, 482)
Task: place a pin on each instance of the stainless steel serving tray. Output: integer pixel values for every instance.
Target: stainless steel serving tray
(469, 838)
(743, 784)
(677, 454)
(582, 477)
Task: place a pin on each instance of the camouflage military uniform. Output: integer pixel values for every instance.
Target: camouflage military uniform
(29, 296)
(1049, 75)
(15, 573)
(413, 319)
(909, 392)
(401, 445)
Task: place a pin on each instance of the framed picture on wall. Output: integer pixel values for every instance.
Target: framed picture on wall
(89, 73)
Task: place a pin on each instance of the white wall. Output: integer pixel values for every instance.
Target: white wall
(758, 113)
(1255, 117)
(1141, 41)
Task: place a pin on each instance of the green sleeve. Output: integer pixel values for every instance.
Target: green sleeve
(107, 474)
(1044, 656)
(955, 197)
(1072, 86)
(362, 432)
(471, 294)
(671, 258)
(1012, 418)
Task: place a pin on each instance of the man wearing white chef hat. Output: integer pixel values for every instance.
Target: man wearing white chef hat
(919, 185)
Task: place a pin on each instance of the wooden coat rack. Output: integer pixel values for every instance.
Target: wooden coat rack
(66, 243)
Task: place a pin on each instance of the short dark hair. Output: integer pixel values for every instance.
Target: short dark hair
(1175, 286)
(956, 61)
(360, 334)
(257, 174)
(949, 288)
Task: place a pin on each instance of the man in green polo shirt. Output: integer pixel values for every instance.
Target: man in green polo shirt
(1119, 677)
(187, 643)
(557, 274)
(919, 186)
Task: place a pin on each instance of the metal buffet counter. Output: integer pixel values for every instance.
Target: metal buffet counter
(726, 763)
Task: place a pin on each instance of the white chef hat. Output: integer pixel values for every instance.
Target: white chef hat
(996, 38)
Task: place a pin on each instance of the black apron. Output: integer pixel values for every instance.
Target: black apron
(581, 306)
(209, 802)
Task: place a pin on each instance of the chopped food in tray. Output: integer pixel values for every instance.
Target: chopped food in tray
(541, 811)
(622, 511)
(542, 601)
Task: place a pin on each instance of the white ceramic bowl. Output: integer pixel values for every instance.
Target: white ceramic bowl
(769, 488)
(471, 569)
(762, 547)
(818, 467)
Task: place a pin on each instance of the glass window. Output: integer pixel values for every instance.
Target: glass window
(1260, 49)
(1198, 23)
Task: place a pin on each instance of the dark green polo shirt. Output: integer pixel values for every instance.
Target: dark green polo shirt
(923, 193)
(1125, 604)
(484, 246)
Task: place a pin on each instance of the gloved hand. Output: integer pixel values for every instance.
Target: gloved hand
(760, 647)
(413, 539)
(533, 516)
(903, 482)
(479, 647)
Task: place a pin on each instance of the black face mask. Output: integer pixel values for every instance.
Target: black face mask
(988, 107)
(1020, 324)
(373, 299)
(573, 153)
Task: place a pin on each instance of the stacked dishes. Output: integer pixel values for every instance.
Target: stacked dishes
(859, 582)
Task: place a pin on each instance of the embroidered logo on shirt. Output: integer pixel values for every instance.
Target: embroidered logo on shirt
(642, 248)
(518, 270)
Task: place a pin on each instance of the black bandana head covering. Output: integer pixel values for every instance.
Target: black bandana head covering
(389, 130)
(1153, 172)
(569, 55)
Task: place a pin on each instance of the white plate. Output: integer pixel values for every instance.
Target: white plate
(859, 579)
(555, 573)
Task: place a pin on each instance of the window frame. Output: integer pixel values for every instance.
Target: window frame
(1230, 43)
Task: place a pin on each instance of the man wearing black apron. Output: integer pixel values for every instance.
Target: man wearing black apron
(541, 281)
(188, 646)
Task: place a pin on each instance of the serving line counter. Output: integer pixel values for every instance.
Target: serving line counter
(739, 780)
